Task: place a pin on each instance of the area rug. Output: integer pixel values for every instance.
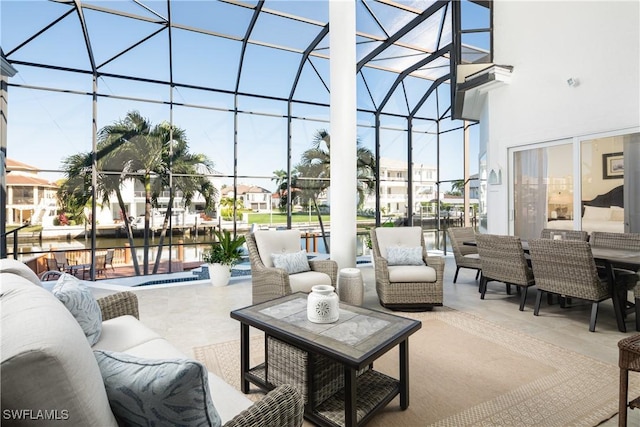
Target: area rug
(466, 371)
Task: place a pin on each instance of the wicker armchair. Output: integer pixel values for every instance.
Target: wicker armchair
(466, 256)
(269, 282)
(502, 259)
(283, 406)
(406, 287)
(567, 268)
(566, 234)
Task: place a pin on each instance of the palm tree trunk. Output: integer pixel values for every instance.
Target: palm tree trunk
(165, 225)
(127, 226)
(147, 217)
(324, 236)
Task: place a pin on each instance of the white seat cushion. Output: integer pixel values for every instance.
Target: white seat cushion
(303, 282)
(411, 273)
(276, 242)
(123, 333)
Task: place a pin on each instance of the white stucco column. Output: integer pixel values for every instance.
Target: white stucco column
(343, 197)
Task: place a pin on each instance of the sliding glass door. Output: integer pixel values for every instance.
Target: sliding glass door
(588, 184)
(610, 174)
(542, 188)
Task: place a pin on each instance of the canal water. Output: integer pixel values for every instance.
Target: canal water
(186, 247)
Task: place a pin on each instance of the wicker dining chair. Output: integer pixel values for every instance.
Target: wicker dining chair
(566, 234)
(466, 256)
(502, 260)
(406, 286)
(567, 268)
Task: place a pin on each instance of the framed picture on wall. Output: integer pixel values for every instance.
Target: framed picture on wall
(612, 165)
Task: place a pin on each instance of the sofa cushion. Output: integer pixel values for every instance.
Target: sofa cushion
(404, 255)
(411, 273)
(122, 333)
(276, 242)
(398, 236)
(294, 262)
(47, 363)
(303, 282)
(13, 266)
(79, 300)
(145, 391)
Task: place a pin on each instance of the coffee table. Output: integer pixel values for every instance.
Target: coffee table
(297, 348)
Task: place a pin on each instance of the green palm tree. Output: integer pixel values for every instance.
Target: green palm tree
(188, 178)
(78, 184)
(131, 148)
(280, 177)
(457, 188)
(313, 174)
(314, 170)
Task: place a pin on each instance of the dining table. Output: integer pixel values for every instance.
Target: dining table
(607, 257)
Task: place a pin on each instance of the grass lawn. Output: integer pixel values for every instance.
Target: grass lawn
(278, 218)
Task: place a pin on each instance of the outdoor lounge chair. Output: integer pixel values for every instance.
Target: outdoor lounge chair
(269, 282)
(401, 283)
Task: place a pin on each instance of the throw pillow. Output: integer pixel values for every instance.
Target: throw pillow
(404, 255)
(295, 262)
(157, 391)
(79, 300)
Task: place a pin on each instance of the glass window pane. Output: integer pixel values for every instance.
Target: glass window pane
(543, 190)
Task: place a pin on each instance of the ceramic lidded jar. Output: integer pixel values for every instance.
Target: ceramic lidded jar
(322, 304)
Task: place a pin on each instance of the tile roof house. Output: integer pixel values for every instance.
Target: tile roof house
(30, 198)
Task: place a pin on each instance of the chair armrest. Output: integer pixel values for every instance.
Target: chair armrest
(326, 266)
(268, 283)
(119, 304)
(283, 406)
(436, 262)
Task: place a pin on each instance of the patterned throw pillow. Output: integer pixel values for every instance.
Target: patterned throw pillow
(295, 262)
(157, 391)
(404, 255)
(79, 300)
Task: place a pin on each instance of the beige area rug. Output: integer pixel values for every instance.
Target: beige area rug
(465, 371)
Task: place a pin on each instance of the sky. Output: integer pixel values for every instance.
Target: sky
(46, 126)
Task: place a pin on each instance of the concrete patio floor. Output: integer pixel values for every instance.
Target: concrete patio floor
(197, 314)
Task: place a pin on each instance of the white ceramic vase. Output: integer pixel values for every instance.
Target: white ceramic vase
(323, 304)
(219, 274)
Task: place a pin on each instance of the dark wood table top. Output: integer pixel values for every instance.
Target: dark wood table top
(626, 256)
(358, 337)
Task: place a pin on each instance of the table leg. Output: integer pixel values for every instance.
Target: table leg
(350, 407)
(404, 374)
(618, 302)
(244, 357)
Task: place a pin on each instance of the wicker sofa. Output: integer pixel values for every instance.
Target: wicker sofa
(48, 364)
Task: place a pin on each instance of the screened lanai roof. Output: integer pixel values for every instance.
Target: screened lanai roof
(236, 47)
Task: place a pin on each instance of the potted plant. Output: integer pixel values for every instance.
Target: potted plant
(222, 255)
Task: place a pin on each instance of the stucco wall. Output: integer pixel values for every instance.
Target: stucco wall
(597, 42)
